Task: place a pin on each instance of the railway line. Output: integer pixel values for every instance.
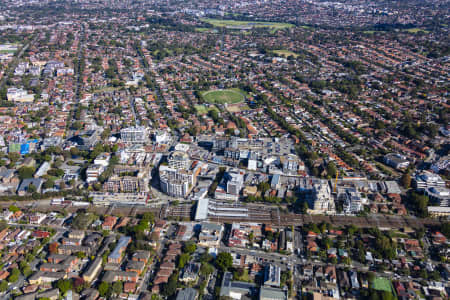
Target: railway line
(266, 215)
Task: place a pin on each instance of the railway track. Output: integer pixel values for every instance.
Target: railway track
(266, 216)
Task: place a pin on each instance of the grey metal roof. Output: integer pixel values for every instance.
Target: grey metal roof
(187, 294)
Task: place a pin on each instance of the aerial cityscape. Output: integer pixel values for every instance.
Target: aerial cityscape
(233, 149)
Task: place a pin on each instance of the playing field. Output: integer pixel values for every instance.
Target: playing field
(381, 284)
(416, 30)
(246, 24)
(285, 53)
(223, 96)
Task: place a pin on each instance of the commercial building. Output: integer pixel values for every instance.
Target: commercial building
(126, 184)
(230, 186)
(214, 210)
(210, 234)
(426, 179)
(275, 181)
(236, 289)
(174, 184)
(19, 95)
(93, 172)
(102, 198)
(179, 160)
(440, 195)
(322, 201)
(438, 211)
(187, 294)
(134, 135)
(396, 161)
(252, 164)
(272, 275)
(102, 159)
(270, 293)
(235, 181)
(352, 200)
(161, 137)
(290, 164)
(179, 177)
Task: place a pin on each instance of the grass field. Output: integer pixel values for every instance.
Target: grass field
(202, 29)
(106, 89)
(416, 30)
(246, 24)
(285, 53)
(224, 96)
(382, 284)
(410, 30)
(203, 110)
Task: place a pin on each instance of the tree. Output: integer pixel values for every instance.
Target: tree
(79, 284)
(445, 228)
(23, 264)
(224, 261)
(149, 216)
(3, 225)
(3, 286)
(351, 229)
(50, 183)
(371, 277)
(406, 180)
(331, 169)
(263, 187)
(190, 247)
(74, 152)
(170, 288)
(103, 289)
(385, 295)
(206, 257)
(62, 185)
(206, 269)
(26, 172)
(304, 207)
(31, 188)
(14, 276)
(26, 271)
(251, 236)
(117, 287)
(13, 157)
(374, 295)
(13, 208)
(64, 285)
(420, 233)
(53, 248)
(183, 259)
(421, 203)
